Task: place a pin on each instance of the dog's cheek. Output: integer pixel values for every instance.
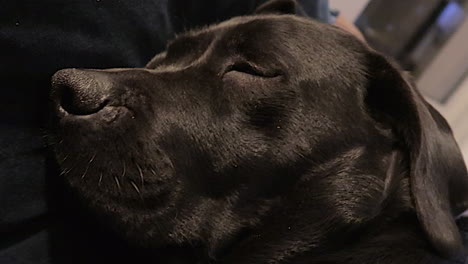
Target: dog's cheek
(271, 114)
(266, 116)
(244, 87)
(356, 198)
(351, 186)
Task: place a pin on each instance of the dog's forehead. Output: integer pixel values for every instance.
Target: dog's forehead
(256, 29)
(270, 37)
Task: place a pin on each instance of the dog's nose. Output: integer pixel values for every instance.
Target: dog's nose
(80, 92)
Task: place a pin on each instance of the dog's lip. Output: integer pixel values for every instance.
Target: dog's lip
(107, 114)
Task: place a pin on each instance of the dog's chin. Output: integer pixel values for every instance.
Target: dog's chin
(142, 219)
(134, 200)
(140, 224)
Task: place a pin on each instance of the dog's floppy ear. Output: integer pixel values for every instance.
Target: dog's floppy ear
(280, 7)
(438, 176)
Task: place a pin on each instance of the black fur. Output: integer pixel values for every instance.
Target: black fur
(264, 139)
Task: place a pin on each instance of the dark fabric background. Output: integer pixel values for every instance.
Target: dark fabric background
(39, 37)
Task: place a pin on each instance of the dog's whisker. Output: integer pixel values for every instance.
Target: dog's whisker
(141, 175)
(124, 170)
(73, 166)
(92, 158)
(117, 182)
(100, 180)
(84, 173)
(68, 170)
(87, 166)
(63, 173)
(64, 159)
(135, 187)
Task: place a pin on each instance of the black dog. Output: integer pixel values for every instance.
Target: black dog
(265, 139)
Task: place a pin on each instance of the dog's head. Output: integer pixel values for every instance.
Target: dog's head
(260, 123)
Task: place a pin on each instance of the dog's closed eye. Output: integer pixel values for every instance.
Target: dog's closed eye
(247, 68)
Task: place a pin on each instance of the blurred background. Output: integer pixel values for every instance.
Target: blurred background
(429, 38)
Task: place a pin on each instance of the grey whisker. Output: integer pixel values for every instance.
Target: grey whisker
(141, 175)
(124, 170)
(74, 165)
(117, 182)
(66, 157)
(100, 179)
(68, 170)
(84, 173)
(92, 158)
(88, 165)
(135, 187)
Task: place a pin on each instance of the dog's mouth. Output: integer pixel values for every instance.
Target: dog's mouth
(92, 146)
(106, 114)
(104, 179)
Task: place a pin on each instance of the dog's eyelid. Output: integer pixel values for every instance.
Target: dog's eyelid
(251, 69)
(244, 67)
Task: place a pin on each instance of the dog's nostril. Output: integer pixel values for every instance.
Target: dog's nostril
(78, 104)
(80, 92)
